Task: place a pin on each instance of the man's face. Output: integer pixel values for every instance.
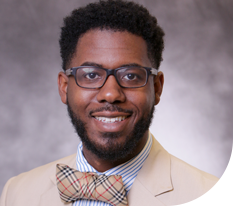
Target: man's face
(131, 108)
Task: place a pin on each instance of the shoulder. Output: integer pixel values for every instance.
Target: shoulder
(184, 182)
(188, 183)
(184, 175)
(41, 172)
(34, 182)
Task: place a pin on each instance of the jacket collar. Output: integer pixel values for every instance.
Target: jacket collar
(51, 196)
(70, 161)
(154, 177)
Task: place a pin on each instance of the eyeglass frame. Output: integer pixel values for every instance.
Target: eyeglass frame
(149, 71)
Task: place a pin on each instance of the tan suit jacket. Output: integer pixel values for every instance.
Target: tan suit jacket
(163, 180)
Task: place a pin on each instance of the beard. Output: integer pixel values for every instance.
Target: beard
(112, 151)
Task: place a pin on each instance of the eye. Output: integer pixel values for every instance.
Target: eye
(91, 76)
(130, 76)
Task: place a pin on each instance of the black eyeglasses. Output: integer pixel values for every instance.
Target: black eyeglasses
(92, 77)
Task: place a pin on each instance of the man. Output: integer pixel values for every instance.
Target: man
(111, 54)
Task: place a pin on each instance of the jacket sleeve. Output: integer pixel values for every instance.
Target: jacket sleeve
(3, 198)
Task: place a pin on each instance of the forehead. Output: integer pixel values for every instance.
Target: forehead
(110, 49)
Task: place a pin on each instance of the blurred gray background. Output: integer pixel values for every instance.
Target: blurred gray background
(193, 120)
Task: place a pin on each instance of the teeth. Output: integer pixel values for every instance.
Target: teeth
(111, 120)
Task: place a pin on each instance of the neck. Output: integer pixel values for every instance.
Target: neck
(102, 165)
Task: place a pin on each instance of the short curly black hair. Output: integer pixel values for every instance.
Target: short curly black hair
(116, 15)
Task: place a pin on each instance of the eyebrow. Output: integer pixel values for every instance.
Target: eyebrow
(99, 65)
(91, 64)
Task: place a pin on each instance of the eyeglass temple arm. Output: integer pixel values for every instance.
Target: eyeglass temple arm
(154, 71)
(68, 72)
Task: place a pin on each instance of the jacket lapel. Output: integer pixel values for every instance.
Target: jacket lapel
(153, 179)
(51, 196)
(139, 195)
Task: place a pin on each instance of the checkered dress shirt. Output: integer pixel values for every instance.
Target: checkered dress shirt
(127, 170)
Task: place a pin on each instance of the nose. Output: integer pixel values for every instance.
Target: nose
(111, 92)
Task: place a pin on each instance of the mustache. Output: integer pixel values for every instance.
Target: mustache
(111, 108)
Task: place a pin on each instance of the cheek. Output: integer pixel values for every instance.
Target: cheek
(143, 100)
(148, 98)
(150, 90)
(79, 98)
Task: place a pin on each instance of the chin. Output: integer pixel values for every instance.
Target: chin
(111, 149)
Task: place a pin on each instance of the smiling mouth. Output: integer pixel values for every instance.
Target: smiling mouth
(111, 119)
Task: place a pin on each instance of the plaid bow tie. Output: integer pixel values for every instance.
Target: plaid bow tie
(74, 185)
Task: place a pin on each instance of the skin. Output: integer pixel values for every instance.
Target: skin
(110, 50)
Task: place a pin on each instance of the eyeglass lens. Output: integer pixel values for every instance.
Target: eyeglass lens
(94, 77)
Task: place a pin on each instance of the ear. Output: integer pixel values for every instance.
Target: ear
(158, 86)
(62, 86)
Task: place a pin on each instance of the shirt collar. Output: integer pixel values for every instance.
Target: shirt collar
(127, 170)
